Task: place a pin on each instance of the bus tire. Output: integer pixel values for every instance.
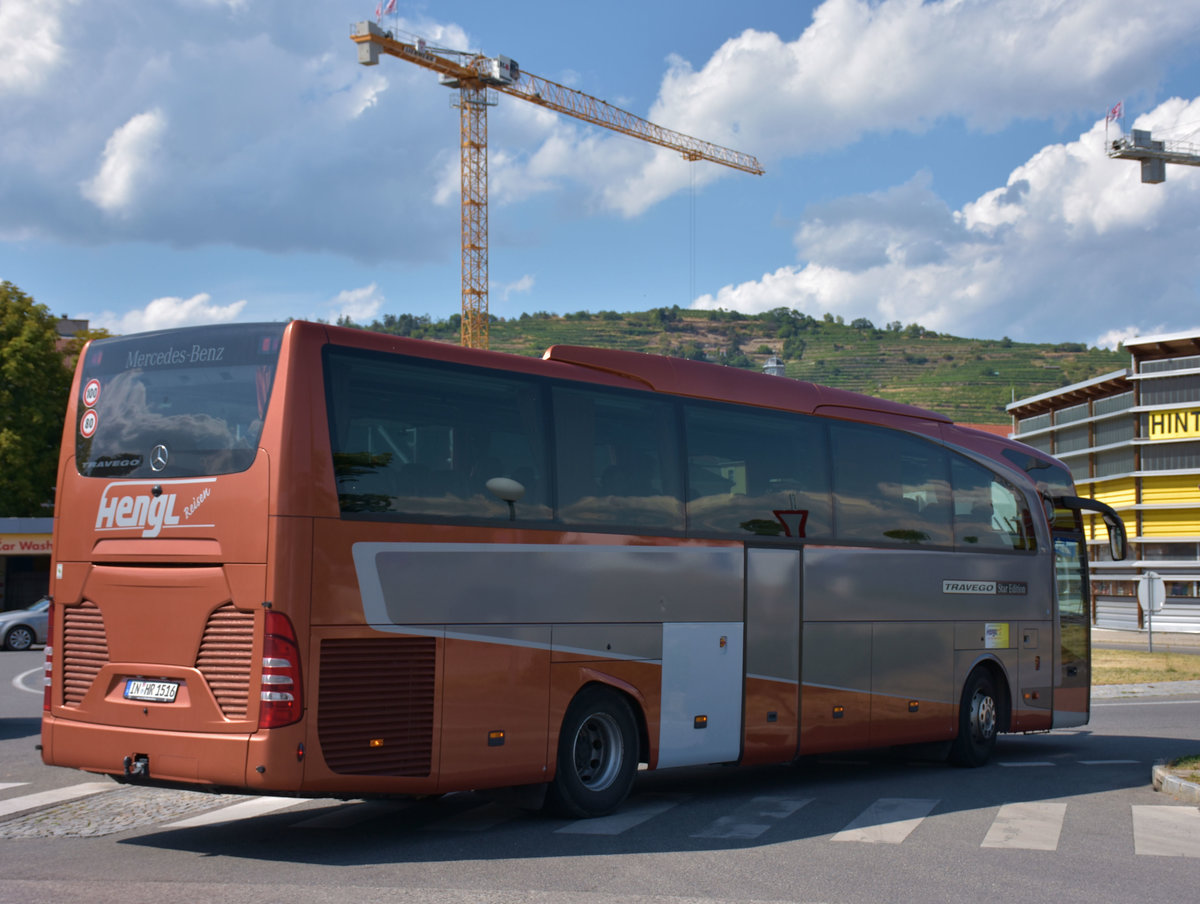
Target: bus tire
(597, 755)
(978, 721)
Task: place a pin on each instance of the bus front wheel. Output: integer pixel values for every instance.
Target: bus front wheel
(978, 721)
(597, 755)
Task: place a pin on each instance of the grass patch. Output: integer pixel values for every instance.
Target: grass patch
(1186, 767)
(1142, 667)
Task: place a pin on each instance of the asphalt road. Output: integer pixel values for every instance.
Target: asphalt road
(1066, 816)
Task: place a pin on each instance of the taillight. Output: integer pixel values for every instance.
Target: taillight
(281, 698)
(49, 662)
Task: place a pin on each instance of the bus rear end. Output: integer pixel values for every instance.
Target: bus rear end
(166, 655)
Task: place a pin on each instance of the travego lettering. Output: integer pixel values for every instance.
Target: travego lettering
(980, 587)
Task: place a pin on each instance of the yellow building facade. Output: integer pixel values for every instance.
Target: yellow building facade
(1132, 439)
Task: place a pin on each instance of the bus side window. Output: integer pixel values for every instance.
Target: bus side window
(759, 473)
(988, 511)
(617, 460)
(416, 439)
(890, 486)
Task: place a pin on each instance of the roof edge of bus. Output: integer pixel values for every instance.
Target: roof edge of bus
(700, 379)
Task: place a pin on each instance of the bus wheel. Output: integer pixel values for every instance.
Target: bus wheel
(978, 719)
(597, 755)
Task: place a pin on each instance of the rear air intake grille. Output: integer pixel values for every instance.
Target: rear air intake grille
(85, 650)
(377, 692)
(226, 652)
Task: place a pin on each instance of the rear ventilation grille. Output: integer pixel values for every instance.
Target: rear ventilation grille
(377, 692)
(85, 650)
(226, 653)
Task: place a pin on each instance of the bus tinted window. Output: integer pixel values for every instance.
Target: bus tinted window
(756, 472)
(181, 403)
(890, 487)
(420, 440)
(617, 460)
(988, 511)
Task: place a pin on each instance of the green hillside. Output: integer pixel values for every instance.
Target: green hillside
(971, 380)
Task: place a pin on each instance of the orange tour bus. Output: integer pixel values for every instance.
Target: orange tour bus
(306, 559)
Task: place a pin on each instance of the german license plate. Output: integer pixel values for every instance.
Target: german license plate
(151, 691)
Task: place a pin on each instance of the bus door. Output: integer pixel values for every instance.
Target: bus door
(772, 688)
(1072, 688)
(1073, 685)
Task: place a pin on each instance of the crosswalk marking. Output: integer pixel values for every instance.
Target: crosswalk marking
(753, 818)
(1028, 763)
(476, 819)
(351, 814)
(57, 796)
(1166, 831)
(1028, 826)
(887, 821)
(624, 819)
(1163, 830)
(256, 806)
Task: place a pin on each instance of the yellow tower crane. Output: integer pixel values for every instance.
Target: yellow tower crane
(474, 75)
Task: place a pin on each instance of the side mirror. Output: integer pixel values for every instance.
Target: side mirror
(1118, 541)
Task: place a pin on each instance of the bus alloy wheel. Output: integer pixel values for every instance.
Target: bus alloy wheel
(597, 755)
(978, 722)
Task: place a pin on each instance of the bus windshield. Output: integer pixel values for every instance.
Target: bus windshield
(179, 403)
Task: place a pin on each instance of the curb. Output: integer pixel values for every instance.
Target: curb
(1163, 780)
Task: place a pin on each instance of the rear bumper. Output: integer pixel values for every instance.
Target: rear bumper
(176, 757)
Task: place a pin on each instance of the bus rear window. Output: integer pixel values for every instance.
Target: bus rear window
(177, 403)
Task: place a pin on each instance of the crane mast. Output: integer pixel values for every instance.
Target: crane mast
(475, 76)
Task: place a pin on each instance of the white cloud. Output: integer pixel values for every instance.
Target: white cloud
(29, 43)
(1073, 241)
(360, 305)
(1121, 335)
(127, 162)
(874, 67)
(168, 312)
(519, 287)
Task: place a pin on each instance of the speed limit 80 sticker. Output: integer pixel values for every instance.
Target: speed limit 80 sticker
(89, 423)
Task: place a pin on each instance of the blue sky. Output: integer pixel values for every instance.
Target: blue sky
(168, 162)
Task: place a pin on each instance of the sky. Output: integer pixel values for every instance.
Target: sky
(175, 162)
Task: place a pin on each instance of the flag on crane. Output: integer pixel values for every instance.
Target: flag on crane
(1115, 114)
(381, 10)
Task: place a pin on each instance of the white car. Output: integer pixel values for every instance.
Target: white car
(20, 629)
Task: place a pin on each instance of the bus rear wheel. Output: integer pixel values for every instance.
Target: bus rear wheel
(978, 721)
(597, 755)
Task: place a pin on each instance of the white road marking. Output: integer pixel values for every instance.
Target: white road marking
(351, 813)
(887, 821)
(19, 681)
(623, 819)
(1028, 826)
(1166, 831)
(247, 809)
(753, 818)
(49, 798)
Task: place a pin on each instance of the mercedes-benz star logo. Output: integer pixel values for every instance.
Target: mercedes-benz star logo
(158, 458)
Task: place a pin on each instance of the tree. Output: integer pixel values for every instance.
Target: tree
(34, 384)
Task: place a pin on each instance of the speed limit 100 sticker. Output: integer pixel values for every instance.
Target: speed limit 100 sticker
(91, 393)
(87, 426)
